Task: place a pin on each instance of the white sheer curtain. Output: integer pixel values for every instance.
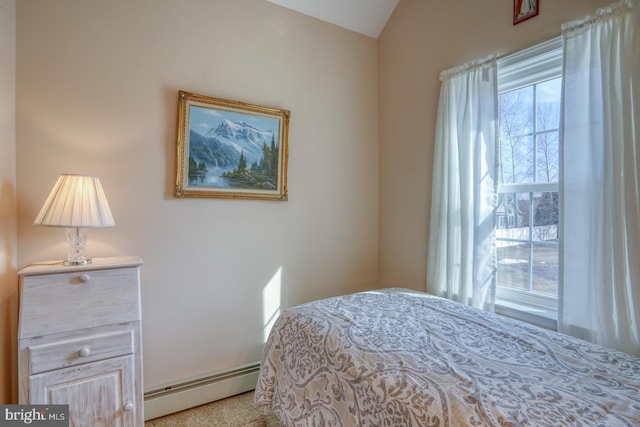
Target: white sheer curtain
(461, 237)
(600, 179)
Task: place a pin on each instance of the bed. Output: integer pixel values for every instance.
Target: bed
(397, 357)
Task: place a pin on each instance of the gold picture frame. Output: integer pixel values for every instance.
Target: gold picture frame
(230, 149)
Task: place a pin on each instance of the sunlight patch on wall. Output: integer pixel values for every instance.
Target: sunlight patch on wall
(271, 303)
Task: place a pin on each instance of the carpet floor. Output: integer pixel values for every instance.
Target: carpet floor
(233, 411)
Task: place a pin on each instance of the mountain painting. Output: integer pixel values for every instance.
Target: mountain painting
(230, 149)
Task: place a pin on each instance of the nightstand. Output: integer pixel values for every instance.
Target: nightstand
(79, 340)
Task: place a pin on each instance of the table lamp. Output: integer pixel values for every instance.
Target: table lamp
(77, 203)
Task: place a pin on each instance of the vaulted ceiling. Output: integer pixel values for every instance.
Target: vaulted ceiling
(367, 17)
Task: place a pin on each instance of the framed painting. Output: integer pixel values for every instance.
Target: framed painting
(229, 149)
(524, 9)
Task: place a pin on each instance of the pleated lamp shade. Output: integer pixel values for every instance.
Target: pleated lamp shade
(76, 201)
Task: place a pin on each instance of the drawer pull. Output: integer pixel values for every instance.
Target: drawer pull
(128, 407)
(84, 352)
(84, 278)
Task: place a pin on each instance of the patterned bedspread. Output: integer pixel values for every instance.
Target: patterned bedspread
(403, 358)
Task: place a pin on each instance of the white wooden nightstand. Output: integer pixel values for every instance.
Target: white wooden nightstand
(79, 340)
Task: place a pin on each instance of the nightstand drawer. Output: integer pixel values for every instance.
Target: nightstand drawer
(84, 299)
(76, 351)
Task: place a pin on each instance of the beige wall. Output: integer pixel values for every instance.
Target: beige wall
(421, 39)
(8, 255)
(97, 92)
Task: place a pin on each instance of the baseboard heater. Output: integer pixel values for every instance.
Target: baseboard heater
(177, 397)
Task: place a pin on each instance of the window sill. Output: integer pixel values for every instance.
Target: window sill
(538, 316)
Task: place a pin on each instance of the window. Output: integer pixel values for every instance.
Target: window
(529, 94)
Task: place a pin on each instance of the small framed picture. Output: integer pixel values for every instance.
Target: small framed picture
(524, 9)
(230, 149)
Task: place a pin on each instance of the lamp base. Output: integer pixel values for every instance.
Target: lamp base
(76, 261)
(77, 239)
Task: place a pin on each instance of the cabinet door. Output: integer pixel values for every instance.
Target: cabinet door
(98, 394)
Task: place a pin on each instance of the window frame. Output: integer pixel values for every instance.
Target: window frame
(524, 68)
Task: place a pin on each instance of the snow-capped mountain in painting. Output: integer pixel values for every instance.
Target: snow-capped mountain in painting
(242, 137)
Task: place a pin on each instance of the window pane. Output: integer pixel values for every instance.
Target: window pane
(515, 112)
(547, 156)
(545, 217)
(516, 160)
(548, 105)
(513, 265)
(512, 216)
(524, 201)
(545, 269)
(506, 171)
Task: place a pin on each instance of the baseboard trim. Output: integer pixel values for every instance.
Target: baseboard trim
(177, 397)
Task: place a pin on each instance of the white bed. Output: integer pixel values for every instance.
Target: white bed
(397, 357)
